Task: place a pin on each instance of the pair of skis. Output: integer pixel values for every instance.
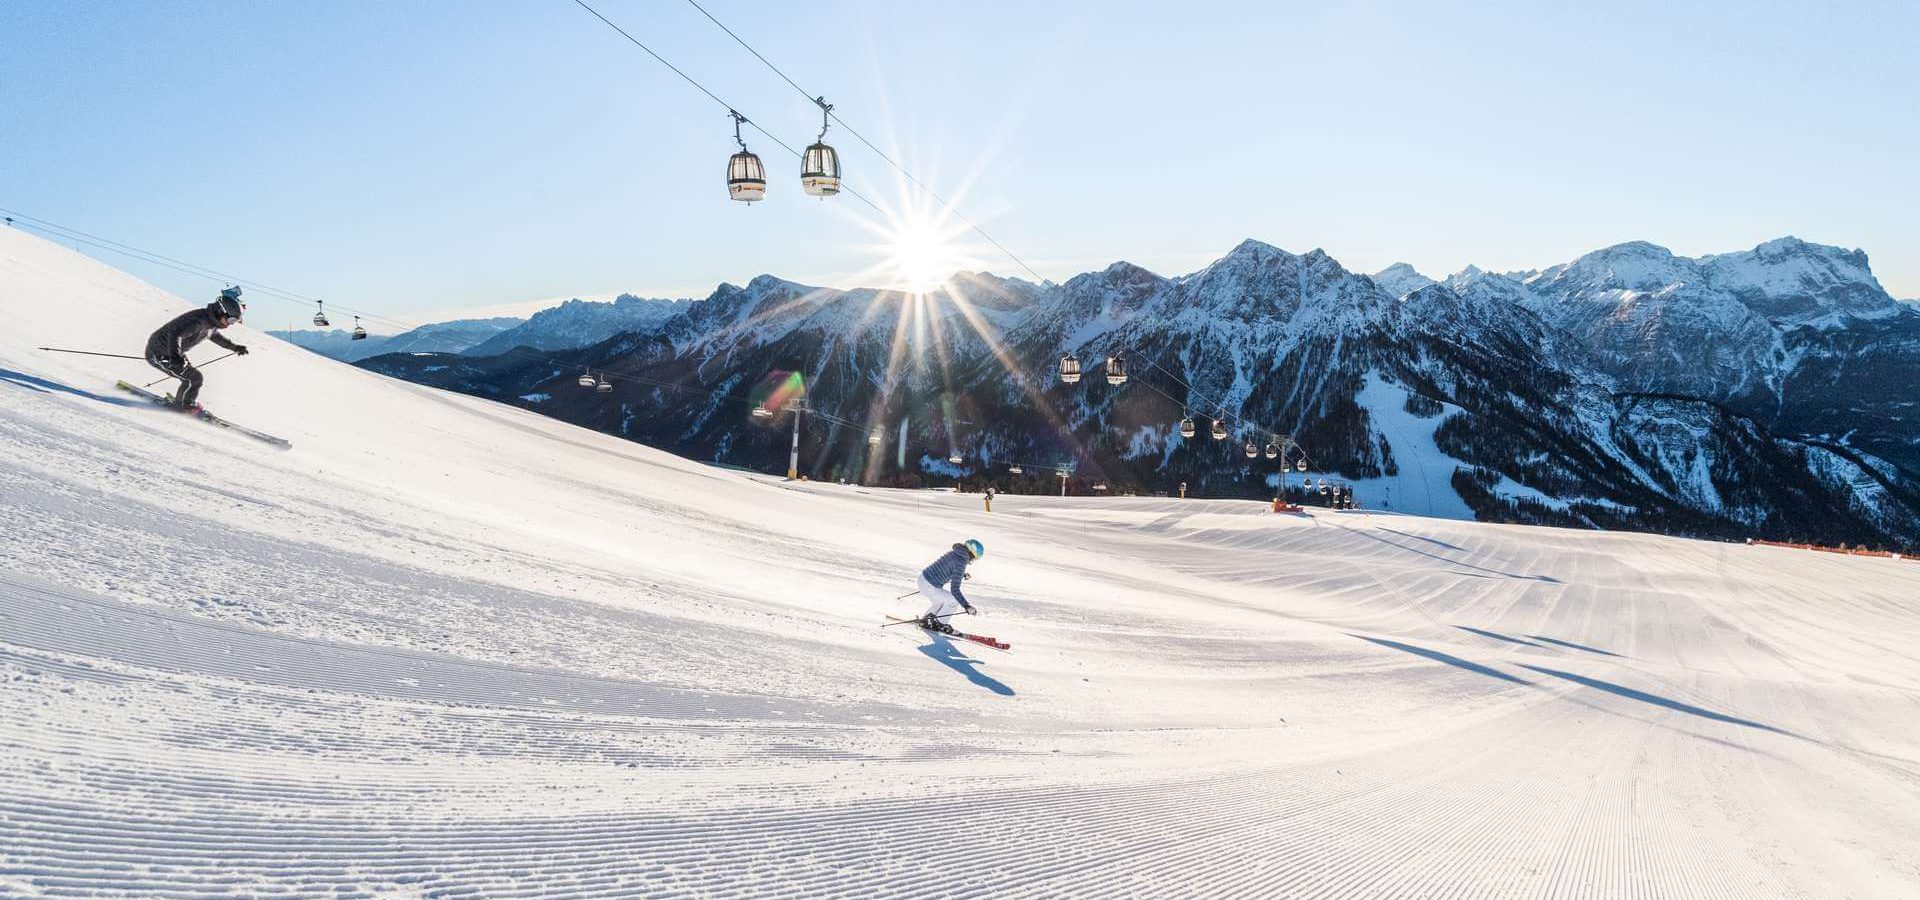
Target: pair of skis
(995, 643)
(208, 417)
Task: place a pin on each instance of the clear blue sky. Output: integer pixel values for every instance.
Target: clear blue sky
(422, 156)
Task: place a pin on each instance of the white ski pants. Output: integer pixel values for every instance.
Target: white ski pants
(939, 602)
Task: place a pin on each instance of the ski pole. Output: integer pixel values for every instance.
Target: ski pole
(916, 621)
(906, 595)
(91, 353)
(173, 378)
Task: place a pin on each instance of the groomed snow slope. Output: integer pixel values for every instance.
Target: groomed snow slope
(449, 648)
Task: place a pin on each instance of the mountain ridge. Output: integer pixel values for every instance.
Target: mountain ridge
(1515, 404)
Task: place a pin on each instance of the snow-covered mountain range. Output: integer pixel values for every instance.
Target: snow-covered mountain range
(439, 337)
(578, 323)
(1741, 393)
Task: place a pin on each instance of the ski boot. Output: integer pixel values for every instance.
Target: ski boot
(930, 623)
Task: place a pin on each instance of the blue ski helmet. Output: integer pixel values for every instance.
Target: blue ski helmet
(229, 305)
(975, 548)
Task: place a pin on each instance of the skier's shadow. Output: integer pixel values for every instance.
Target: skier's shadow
(42, 385)
(943, 650)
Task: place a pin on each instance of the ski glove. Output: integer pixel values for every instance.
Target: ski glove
(970, 610)
(239, 349)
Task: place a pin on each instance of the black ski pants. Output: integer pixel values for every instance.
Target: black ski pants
(190, 377)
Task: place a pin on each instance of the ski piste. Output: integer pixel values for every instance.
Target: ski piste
(995, 643)
(208, 417)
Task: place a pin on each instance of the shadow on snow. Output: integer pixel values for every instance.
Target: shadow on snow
(1548, 579)
(1644, 697)
(42, 385)
(1447, 658)
(943, 651)
(1496, 635)
(1539, 637)
(1617, 690)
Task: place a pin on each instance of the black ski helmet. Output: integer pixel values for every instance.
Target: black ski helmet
(229, 305)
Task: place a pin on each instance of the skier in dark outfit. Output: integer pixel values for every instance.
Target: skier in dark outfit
(167, 349)
(940, 584)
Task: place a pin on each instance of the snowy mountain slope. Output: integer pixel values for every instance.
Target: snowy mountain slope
(439, 337)
(1718, 327)
(447, 647)
(579, 323)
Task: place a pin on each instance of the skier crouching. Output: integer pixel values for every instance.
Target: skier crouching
(167, 348)
(940, 584)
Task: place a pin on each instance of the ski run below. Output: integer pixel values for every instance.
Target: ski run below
(445, 647)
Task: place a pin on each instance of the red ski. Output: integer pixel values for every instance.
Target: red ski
(995, 643)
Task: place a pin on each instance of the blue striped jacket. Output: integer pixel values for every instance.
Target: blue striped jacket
(949, 570)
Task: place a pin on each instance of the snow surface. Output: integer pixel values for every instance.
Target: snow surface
(1423, 484)
(445, 647)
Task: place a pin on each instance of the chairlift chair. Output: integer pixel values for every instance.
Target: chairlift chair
(359, 334)
(1186, 428)
(820, 165)
(1070, 369)
(1273, 450)
(1015, 470)
(586, 380)
(1253, 450)
(1300, 466)
(746, 177)
(320, 314)
(1219, 430)
(874, 438)
(956, 458)
(603, 386)
(1116, 370)
(761, 412)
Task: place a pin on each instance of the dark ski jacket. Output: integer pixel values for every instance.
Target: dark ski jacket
(184, 333)
(949, 570)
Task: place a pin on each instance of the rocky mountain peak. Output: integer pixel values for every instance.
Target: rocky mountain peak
(1401, 279)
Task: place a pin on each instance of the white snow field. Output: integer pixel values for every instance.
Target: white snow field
(448, 648)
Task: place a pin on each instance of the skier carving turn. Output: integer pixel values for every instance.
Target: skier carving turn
(167, 348)
(940, 584)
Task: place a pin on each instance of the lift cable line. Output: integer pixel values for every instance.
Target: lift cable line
(946, 204)
(730, 108)
(63, 232)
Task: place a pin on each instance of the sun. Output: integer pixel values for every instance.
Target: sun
(921, 261)
(923, 252)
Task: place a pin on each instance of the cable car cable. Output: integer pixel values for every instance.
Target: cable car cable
(716, 98)
(944, 202)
